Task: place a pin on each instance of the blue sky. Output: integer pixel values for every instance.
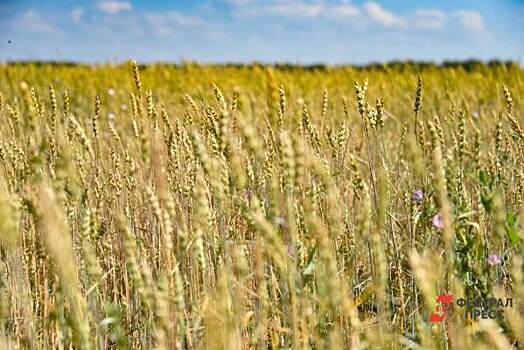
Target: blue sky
(294, 31)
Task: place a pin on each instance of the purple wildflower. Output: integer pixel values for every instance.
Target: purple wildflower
(437, 222)
(494, 259)
(417, 196)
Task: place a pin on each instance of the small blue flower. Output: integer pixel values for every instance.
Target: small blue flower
(417, 196)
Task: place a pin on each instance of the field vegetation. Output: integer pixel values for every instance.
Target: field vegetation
(263, 207)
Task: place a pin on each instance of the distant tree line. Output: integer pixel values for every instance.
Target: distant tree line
(397, 65)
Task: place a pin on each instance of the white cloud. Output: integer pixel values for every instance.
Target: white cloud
(114, 6)
(293, 8)
(429, 18)
(381, 16)
(342, 11)
(33, 21)
(470, 20)
(76, 14)
(166, 23)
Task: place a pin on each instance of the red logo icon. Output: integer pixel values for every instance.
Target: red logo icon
(443, 301)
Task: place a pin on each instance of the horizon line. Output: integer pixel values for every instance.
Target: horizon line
(183, 62)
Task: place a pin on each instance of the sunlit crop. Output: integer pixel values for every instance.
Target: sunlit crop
(234, 207)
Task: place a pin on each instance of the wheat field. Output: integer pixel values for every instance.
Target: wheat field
(260, 207)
